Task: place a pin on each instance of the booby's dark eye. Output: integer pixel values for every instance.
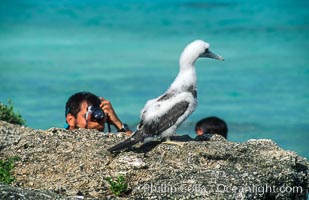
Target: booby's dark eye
(207, 50)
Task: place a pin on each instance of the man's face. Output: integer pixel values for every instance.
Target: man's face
(81, 121)
(199, 131)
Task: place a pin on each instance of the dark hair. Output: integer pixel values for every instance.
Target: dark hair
(212, 125)
(73, 104)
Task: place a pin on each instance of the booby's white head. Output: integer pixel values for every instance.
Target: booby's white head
(187, 75)
(193, 51)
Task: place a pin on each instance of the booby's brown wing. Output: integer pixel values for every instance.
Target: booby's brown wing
(162, 123)
(153, 128)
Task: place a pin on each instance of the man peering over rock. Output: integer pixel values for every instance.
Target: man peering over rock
(86, 110)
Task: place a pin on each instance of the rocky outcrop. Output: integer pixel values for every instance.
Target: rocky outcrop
(65, 164)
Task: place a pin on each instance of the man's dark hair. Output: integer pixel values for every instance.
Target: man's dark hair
(212, 125)
(73, 104)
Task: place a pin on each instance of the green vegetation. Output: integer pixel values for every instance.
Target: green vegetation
(6, 166)
(7, 114)
(118, 185)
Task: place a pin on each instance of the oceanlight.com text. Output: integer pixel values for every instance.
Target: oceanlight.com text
(167, 187)
(262, 189)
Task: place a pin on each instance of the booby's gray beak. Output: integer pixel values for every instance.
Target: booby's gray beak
(210, 54)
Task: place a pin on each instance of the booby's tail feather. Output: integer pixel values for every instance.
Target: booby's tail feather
(135, 138)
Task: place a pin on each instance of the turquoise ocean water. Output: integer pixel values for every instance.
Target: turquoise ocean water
(128, 53)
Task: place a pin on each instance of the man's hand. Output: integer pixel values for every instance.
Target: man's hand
(108, 109)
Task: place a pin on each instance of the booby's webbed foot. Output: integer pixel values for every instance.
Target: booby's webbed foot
(168, 141)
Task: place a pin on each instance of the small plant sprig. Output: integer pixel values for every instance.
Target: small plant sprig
(6, 165)
(8, 114)
(118, 185)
